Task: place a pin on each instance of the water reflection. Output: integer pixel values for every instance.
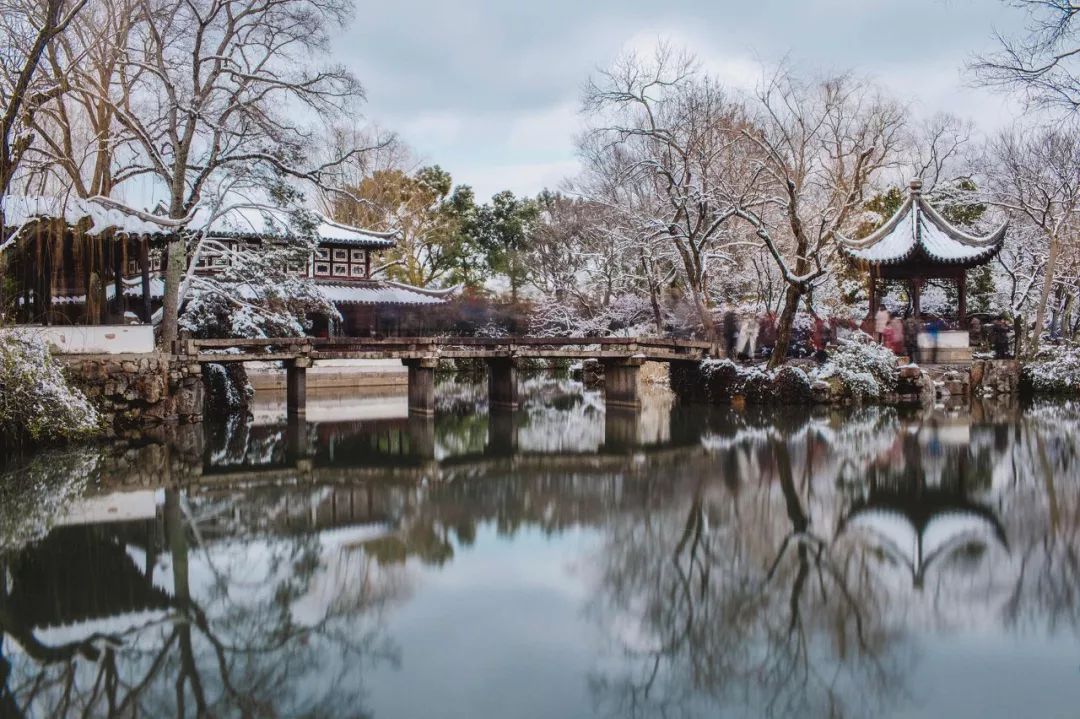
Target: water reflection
(691, 561)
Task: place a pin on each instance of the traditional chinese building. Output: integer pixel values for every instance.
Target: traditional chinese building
(915, 245)
(918, 244)
(77, 262)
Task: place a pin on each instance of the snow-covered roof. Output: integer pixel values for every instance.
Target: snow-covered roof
(363, 292)
(381, 293)
(254, 222)
(22, 209)
(917, 226)
(241, 221)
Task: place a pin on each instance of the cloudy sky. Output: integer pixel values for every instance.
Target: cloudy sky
(489, 89)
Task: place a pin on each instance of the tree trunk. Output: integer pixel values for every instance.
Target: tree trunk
(174, 275)
(1044, 296)
(784, 325)
(704, 313)
(654, 294)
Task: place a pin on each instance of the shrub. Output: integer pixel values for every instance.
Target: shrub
(866, 369)
(37, 404)
(1054, 370)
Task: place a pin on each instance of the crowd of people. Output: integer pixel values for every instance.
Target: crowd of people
(748, 337)
(753, 336)
(901, 335)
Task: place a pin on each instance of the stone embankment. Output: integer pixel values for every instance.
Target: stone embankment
(911, 385)
(138, 390)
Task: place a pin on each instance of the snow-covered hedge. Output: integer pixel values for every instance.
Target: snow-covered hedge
(865, 369)
(785, 385)
(37, 404)
(1055, 370)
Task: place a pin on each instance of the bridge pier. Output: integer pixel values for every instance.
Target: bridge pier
(502, 383)
(296, 386)
(622, 383)
(622, 428)
(502, 433)
(421, 385)
(422, 436)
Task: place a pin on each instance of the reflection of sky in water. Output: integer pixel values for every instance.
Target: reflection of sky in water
(734, 563)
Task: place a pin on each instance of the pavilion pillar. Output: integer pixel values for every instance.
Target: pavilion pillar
(961, 291)
(144, 270)
(119, 301)
(502, 383)
(916, 292)
(421, 385)
(873, 295)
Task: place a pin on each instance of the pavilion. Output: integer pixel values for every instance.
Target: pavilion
(918, 244)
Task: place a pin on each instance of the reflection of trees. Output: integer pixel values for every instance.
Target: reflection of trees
(253, 626)
(726, 577)
(732, 598)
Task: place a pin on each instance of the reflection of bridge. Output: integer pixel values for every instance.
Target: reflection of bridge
(621, 356)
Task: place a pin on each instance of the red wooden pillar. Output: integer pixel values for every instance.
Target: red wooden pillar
(961, 289)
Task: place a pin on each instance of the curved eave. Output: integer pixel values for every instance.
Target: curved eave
(927, 233)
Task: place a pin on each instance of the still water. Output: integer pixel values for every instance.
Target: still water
(555, 562)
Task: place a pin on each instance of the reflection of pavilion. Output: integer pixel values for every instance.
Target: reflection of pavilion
(922, 529)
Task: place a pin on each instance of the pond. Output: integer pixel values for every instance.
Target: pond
(558, 561)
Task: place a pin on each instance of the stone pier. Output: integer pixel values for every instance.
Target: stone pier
(502, 384)
(421, 385)
(296, 386)
(622, 428)
(622, 383)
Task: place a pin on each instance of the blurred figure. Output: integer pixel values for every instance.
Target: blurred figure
(895, 332)
(933, 328)
(730, 331)
(748, 334)
(999, 337)
(975, 332)
(881, 321)
(767, 333)
(911, 337)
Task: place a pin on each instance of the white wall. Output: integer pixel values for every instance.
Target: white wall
(95, 339)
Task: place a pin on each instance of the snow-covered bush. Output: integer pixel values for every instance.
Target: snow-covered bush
(35, 494)
(625, 315)
(1055, 370)
(37, 404)
(866, 369)
(785, 385)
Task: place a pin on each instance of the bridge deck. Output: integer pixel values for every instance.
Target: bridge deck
(407, 348)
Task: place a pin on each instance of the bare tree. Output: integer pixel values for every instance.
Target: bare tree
(22, 90)
(816, 148)
(662, 134)
(82, 148)
(1043, 64)
(210, 92)
(1036, 176)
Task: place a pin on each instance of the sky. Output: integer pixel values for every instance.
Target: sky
(490, 89)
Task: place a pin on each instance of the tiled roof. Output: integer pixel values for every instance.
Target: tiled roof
(918, 226)
(257, 222)
(380, 293)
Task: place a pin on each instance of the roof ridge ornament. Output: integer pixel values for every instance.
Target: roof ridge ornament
(915, 186)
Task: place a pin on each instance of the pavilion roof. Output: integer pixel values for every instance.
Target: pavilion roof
(919, 232)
